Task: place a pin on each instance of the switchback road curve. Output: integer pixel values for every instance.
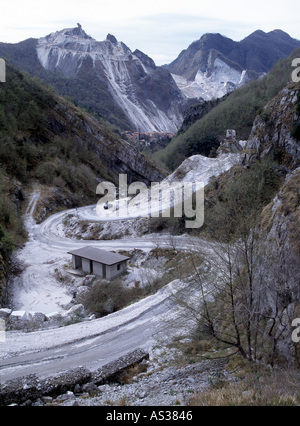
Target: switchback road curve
(90, 344)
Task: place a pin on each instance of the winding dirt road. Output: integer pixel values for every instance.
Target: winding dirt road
(90, 344)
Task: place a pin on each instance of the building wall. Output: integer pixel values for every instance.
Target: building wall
(98, 269)
(76, 261)
(86, 267)
(103, 271)
(113, 272)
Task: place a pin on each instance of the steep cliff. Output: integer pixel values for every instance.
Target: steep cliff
(254, 211)
(117, 155)
(279, 251)
(274, 131)
(274, 137)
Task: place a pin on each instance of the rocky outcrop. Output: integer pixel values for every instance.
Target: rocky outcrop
(116, 154)
(272, 132)
(230, 145)
(279, 258)
(29, 320)
(273, 137)
(31, 387)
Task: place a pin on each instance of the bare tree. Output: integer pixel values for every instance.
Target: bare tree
(246, 285)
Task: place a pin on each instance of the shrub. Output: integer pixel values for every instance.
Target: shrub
(107, 297)
(295, 133)
(6, 244)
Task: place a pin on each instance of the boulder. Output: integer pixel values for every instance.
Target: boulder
(230, 134)
(54, 316)
(4, 312)
(19, 315)
(109, 306)
(75, 311)
(81, 293)
(38, 316)
(89, 280)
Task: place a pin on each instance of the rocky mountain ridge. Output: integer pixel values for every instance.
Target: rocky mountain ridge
(128, 89)
(132, 78)
(216, 65)
(138, 94)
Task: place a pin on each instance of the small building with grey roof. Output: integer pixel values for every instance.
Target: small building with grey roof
(93, 261)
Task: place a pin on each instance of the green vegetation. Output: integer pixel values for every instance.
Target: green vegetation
(11, 229)
(6, 244)
(27, 151)
(37, 144)
(253, 385)
(247, 289)
(237, 111)
(85, 90)
(240, 202)
(105, 298)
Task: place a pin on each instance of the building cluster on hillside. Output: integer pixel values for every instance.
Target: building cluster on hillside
(148, 140)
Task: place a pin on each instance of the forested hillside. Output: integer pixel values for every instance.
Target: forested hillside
(45, 139)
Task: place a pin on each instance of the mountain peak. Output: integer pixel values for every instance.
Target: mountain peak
(215, 65)
(257, 33)
(128, 86)
(145, 59)
(111, 38)
(281, 35)
(275, 34)
(77, 31)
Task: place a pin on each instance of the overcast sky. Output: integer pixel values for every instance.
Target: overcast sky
(159, 28)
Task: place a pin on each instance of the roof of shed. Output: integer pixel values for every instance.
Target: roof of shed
(97, 255)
